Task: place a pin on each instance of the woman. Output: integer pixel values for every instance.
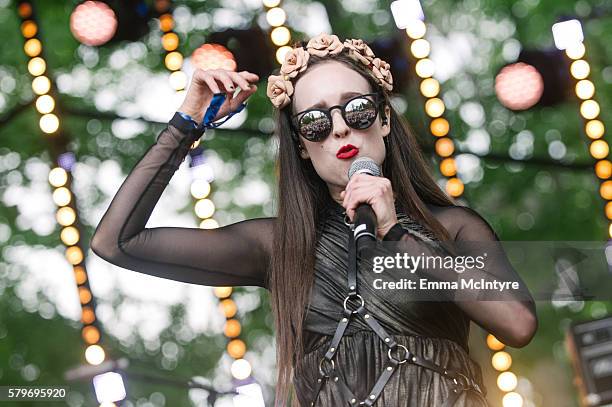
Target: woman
(333, 106)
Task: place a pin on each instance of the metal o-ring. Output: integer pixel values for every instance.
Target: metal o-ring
(360, 299)
(333, 367)
(406, 354)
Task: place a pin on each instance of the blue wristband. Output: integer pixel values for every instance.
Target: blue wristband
(189, 119)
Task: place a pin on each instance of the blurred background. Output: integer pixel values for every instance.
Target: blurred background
(509, 100)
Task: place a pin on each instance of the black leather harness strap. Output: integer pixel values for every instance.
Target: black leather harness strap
(398, 354)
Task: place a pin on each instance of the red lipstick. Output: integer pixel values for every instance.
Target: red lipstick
(347, 151)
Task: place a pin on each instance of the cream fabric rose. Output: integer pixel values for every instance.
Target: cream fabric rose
(324, 44)
(279, 91)
(382, 72)
(359, 51)
(296, 61)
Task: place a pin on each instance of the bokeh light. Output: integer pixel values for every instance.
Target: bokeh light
(276, 16)
(519, 86)
(93, 23)
(213, 56)
(501, 360)
(41, 85)
(280, 36)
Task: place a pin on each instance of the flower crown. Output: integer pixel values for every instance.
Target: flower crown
(280, 87)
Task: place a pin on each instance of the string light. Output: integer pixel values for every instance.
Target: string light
(420, 48)
(208, 56)
(170, 41)
(60, 179)
(569, 36)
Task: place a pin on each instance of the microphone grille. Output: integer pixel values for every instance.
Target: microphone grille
(366, 165)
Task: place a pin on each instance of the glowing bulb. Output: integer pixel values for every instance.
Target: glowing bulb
(204, 208)
(599, 149)
(575, 51)
(609, 210)
(236, 348)
(45, 104)
(166, 22)
(603, 169)
(178, 80)
(425, 68)
(200, 189)
(241, 369)
(605, 190)
(595, 129)
(170, 41)
(222, 292)
(49, 123)
(430, 87)
(454, 187)
(228, 306)
(589, 109)
(209, 223)
(512, 399)
(232, 328)
(94, 355)
(69, 235)
(79, 275)
(276, 16)
(65, 216)
(281, 52)
(507, 381)
(580, 69)
(271, 3)
(41, 85)
(88, 316)
(416, 29)
(90, 334)
(32, 47)
(434, 107)
(420, 48)
(439, 127)
(444, 147)
(280, 36)
(62, 196)
(37, 66)
(448, 167)
(74, 255)
(84, 295)
(174, 61)
(493, 343)
(501, 360)
(29, 28)
(585, 89)
(24, 10)
(58, 177)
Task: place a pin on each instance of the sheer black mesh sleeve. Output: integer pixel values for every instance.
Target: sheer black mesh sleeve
(510, 314)
(237, 254)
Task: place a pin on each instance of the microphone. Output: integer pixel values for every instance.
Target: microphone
(365, 221)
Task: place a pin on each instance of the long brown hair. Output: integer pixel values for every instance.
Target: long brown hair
(301, 196)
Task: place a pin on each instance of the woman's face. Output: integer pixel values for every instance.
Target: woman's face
(329, 84)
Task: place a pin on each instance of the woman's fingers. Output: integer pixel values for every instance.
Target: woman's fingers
(210, 81)
(224, 77)
(206, 83)
(240, 80)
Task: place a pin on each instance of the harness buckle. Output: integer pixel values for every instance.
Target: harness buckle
(407, 354)
(353, 296)
(322, 370)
